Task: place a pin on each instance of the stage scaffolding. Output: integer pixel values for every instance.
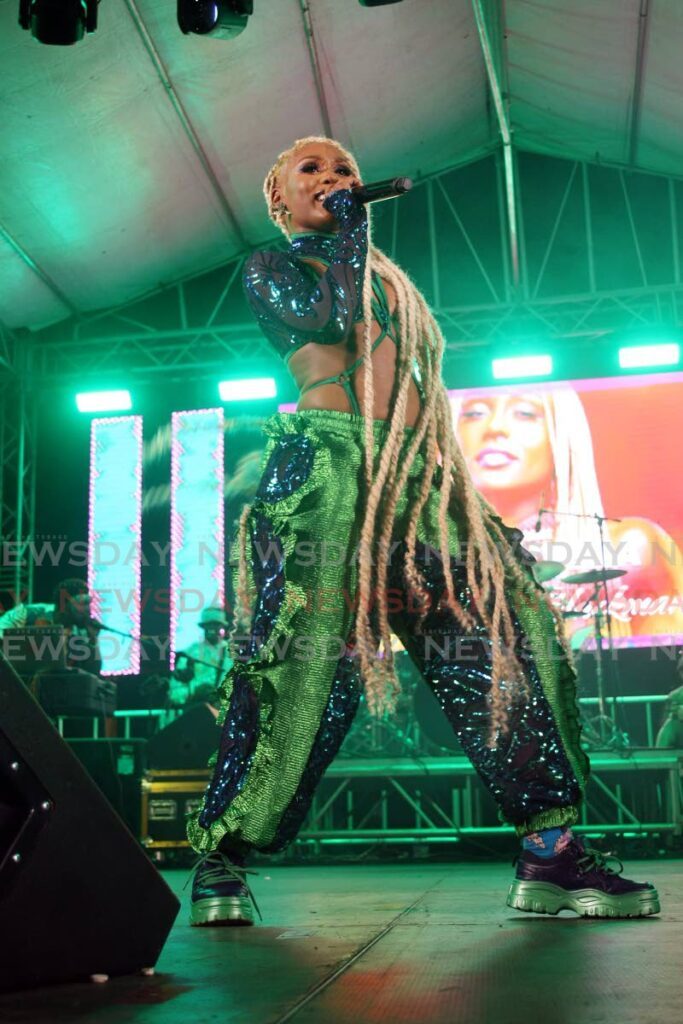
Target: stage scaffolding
(420, 801)
(18, 466)
(440, 800)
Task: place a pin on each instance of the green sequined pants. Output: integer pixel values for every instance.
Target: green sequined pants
(289, 699)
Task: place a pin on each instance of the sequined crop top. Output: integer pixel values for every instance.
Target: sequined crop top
(293, 305)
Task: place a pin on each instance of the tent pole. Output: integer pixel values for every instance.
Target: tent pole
(506, 136)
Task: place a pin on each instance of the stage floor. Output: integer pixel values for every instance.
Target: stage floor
(431, 944)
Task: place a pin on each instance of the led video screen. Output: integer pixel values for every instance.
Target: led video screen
(554, 458)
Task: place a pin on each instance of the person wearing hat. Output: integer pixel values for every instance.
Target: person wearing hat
(200, 668)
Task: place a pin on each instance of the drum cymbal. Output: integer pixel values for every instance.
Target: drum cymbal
(595, 576)
(544, 571)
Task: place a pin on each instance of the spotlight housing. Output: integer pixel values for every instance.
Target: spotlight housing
(220, 19)
(58, 22)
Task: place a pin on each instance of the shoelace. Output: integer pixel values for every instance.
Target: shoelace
(220, 866)
(594, 860)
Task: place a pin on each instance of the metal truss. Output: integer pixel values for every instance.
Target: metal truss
(593, 316)
(441, 800)
(18, 468)
(205, 351)
(598, 254)
(432, 800)
(10, 366)
(185, 330)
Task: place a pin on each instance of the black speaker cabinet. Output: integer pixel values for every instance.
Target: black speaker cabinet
(186, 743)
(78, 895)
(116, 766)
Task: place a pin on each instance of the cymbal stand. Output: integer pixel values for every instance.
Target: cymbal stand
(602, 730)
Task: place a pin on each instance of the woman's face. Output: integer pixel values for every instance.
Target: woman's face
(306, 178)
(504, 439)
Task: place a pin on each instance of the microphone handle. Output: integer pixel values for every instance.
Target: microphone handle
(375, 191)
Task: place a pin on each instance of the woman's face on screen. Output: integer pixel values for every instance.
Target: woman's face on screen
(505, 441)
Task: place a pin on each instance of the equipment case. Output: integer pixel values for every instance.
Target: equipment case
(168, 796)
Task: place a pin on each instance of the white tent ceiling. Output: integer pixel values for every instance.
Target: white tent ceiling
(136, 157)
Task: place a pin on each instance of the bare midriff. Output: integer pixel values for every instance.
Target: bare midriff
(313, 362)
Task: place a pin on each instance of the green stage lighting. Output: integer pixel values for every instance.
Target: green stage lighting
(104, 401)
(247, 390)
(667, 354)
(522, 366)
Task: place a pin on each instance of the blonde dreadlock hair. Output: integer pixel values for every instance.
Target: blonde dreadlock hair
(488, 553)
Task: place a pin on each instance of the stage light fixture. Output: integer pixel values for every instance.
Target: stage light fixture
(58, 22)
(522, 366)
(247, 390)
(104, 401)
(220, 19)
(663, 354)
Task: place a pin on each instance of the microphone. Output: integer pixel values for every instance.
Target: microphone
(378, 190)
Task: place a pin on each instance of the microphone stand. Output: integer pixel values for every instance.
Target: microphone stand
(101, 627)
(217, 668)
(608, 732)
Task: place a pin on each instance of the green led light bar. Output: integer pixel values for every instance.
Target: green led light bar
(667, 354)
(522, 366)
(103, 401)
(247, 390)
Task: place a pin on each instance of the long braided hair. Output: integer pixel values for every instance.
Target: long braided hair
(488, 553)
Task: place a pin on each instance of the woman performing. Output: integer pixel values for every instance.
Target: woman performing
(366, 522)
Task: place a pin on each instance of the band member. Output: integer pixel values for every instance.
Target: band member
(200, 668)
(366, 521)
(70, 609)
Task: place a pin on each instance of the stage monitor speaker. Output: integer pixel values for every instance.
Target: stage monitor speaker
(78, 894)
(188, 742)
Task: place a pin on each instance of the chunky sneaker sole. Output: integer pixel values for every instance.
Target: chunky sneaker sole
(545, 898)
(220, 892)
(221, 910)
